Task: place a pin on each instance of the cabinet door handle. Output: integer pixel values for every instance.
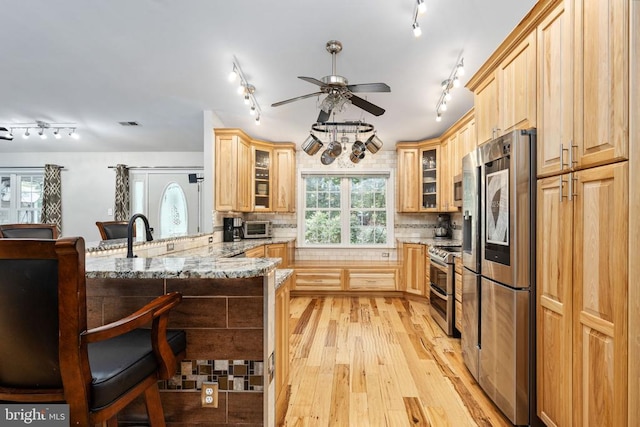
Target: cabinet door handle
(562, 150)
(571, 147)
(562, 181)
(572, 178)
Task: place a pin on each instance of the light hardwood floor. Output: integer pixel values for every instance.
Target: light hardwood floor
(359, 361)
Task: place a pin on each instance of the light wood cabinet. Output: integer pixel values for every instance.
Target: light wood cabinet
(233, 174)
(257, 252)
(371, 279)
(282, 315)
(252, 175)
(284, 173)
(486, 109)
(602, 81)
(278, 250)
(583, 87)
(555, 91)
(517, 87)
(413, 256)
(408, 179)
(318, 279)
(582, 291)
(506, 98)
(431, 164)
(261, 166)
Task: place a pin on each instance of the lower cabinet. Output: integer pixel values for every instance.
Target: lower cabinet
(257, 252)
(413, 262)
(337, 277)
(458, 293)
(282, 350)
(278, 250)
(582, 297)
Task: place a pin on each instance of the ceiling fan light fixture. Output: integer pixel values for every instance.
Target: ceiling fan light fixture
(417, 31)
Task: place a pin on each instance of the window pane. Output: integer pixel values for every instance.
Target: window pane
(366, 215)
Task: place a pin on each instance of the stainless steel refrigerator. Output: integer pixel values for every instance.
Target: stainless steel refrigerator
(499, 271)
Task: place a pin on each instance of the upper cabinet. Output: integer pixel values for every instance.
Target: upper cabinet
(601, 82)
(505, 94)
(555, 91)
(233, 175)
(251, 175)
(583, 86)
(426, 169)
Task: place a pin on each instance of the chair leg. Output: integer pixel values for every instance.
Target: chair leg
(154, 406)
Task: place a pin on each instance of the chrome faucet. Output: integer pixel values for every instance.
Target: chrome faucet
(147, 230)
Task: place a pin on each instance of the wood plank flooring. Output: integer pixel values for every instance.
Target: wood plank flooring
(359, 361)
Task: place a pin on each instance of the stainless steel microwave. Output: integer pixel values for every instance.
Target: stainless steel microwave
(457, 190)
(257, 229)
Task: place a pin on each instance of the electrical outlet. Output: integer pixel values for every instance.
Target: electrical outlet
(211, 239)
(209, 395)
(385, 254)
(170, 247)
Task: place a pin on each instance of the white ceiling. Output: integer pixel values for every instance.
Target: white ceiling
(163, 62)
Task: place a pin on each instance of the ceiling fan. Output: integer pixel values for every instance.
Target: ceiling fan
(338, 90)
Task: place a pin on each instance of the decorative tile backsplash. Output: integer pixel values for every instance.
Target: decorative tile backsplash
(231, 375)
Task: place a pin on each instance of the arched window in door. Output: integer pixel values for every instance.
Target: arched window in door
(174, 215)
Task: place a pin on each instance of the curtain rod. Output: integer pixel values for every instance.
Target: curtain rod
(159, 167)
(29, 167)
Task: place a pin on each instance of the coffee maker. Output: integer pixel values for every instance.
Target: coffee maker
(231, 229)
(443, 228)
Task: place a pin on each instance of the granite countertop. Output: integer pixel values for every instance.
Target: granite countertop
(211, 261)
(282, 274)
(432, 241)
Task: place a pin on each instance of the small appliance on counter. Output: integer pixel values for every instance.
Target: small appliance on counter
(257, 229)
(231, 229)
(443, 228)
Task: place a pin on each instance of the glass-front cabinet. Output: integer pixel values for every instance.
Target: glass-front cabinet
(430, 176)
(262, 179)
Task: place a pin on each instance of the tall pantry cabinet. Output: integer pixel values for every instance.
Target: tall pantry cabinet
(583, 214)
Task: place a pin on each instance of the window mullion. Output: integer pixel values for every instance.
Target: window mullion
(345, 213)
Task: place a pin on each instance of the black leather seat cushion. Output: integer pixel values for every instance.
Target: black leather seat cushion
(28, 233)
(120, 363)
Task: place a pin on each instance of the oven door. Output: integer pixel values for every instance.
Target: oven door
(439, 275)
(441, 309)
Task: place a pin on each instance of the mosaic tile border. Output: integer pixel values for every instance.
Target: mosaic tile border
(231, 375)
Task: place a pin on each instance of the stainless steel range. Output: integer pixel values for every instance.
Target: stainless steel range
(442, 292)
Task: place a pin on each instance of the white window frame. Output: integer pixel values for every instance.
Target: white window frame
(14, 208)
(390, 207)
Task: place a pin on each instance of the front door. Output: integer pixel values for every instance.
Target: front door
(169, 199)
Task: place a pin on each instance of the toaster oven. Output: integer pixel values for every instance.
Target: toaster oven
(257, 229)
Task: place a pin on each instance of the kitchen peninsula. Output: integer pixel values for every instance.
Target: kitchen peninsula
(228, 312)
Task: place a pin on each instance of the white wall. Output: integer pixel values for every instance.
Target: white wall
(88, 185)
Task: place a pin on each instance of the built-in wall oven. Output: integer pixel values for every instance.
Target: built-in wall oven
(441, 286)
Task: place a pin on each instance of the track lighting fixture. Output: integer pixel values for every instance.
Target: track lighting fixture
(245, 89)
(447, 85)
(42, 129)
(420, 9)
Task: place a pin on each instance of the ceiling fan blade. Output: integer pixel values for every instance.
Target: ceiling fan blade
(366, 105)
(369, 87)
(312, 80)
(277, 104)
(324, 116)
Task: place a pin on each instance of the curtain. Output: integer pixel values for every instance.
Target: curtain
(121, 211)
(52, 197)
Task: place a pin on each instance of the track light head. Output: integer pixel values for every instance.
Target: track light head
(417, 32)
(422, 7)
(56, 134)
(26, 134)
